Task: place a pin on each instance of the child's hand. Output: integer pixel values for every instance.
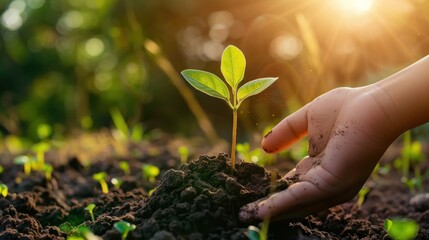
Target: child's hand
(348, 131)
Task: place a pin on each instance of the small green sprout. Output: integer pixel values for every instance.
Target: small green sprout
(183, 153)
(233, 65)
(117, 182)
(120, 124)
(257, 155)
(1, 169)
(125, 167)
(25, 161)
(124, 228)
(413, 183)
(90, 209)
(4, 190)
(82, 233)
(401, 229)
(151, 191)
(101, 178)
(150, 172)
(48, 169)
(40, 149)
(254, 233)
(362, 195)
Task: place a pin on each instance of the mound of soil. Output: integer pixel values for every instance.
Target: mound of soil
(202, 200)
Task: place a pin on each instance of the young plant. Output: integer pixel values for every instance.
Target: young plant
(125, 167)
(117, 182)
(233, 65)
(183, 153)
(101, 178)
(150, 172)
(4, 190)
(48, 169)
(124, 228)
(401, 229)
(90, 209)
(40, 149)
(26, 162)
(362, 195)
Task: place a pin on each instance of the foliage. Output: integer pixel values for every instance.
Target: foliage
(101, 178)
(125, 167)
(4, 190)
(150, 172)
(90, 209)
(233, 65)
(401, 228)
(124, 228)
(257, 155)
(117, 182)
(183, 153)
(362, 195)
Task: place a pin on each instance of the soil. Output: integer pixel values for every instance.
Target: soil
(199, 200)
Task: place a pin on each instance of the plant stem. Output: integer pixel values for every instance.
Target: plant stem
(234, 138)
(406, 153)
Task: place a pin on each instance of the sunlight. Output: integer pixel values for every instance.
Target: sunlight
(354, 6)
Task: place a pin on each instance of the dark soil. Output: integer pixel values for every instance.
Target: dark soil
(199, 200)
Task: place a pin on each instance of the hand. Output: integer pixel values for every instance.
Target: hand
(348, 131)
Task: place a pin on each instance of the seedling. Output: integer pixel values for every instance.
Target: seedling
(4, 190)
(90, 209)
(413, 183)
(401, 229)
(124, 228)
(362, 195)
(411, 156)
(40, 149)
(150, 172)
(26, 162)
(117, 182)
(48, 169)
(125, 166)
(257, 156)
(101, 178)
(233, 65)
(183, 153)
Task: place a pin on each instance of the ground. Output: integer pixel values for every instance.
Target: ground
(198, 200)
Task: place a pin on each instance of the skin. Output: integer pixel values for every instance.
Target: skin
(348, 129)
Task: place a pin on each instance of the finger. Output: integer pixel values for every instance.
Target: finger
(296, 197)
(288, 131)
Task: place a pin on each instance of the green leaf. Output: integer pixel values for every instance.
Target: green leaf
(233, 65)
(207, 83)
(124, 226)
(401, 229)
(253, 87)
(253, 233)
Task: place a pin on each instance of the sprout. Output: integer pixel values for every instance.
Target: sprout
(361, 195)
(183, 153)
(90, 209)
(150, 172)
(233, 64)
(125, 167)
(1, 169)
(25, 161)
(401, 229)
(40, 149)
(124, 228)
(117, 182)
(48, 169)
(101, 178)
(4, 190)
(151, 191)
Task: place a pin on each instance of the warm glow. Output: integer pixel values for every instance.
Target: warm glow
(354, 6)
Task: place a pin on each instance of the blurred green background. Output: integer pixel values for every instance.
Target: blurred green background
(69, 63)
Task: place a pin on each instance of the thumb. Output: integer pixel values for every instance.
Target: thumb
(288, 131)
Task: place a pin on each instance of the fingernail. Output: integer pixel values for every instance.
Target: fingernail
(268, 133)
